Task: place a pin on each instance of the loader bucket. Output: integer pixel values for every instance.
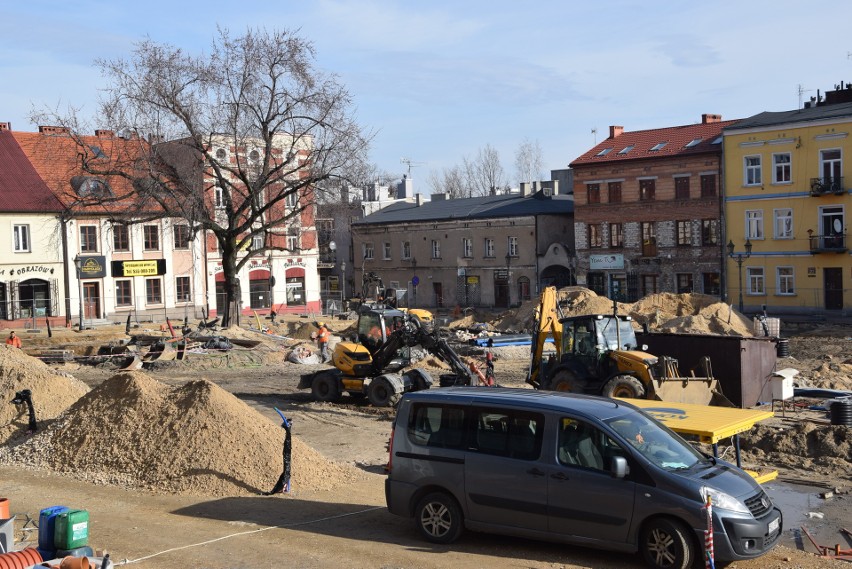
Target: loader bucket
(167, 353)
(135, 363)
(700, 391)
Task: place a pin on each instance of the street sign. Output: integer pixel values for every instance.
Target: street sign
(414, 280)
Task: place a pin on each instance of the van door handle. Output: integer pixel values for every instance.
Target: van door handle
(560, 476)
(535, 472)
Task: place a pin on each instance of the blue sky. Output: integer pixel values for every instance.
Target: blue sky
(439, 80)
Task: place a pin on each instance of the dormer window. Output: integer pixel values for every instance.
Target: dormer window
(90, 187)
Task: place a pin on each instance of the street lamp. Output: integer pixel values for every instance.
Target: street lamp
(739, 258)
(509, 275)
(78, 262)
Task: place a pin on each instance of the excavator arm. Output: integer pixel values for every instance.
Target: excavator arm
(546, 323)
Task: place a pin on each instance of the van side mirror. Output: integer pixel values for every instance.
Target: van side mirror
(619, 468)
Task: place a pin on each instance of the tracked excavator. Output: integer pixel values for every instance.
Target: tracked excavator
(598, 354)
(370, 366)
(375, 295)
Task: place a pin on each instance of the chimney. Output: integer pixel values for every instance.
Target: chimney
(707, 118)
(438, 197)
(418, 199)
(100, 133)
(53, 130)
(525, 188)
(615, 131)
(5, 126)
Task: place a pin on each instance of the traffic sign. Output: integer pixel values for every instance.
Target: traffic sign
(414, 280)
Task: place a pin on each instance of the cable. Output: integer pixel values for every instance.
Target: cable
(296, 524)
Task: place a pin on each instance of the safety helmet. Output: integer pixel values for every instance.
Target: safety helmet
(322, 324)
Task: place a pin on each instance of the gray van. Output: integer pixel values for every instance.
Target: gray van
(570, 468)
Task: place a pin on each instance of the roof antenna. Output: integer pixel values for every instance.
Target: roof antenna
(595, 132)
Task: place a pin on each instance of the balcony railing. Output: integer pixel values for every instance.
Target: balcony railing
(827, 185)
(828, 243)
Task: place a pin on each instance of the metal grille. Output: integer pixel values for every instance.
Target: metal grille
(759, 504)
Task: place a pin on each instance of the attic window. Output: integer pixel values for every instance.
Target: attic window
(693, 142)
(658, 146)
(254, 156)
(96, 150)
(626, 149)
(604, 152)
(717, 141)
(89, 187)
(220, 154)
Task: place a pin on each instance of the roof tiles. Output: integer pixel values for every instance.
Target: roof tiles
(22, 190)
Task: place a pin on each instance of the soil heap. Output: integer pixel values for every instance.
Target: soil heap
(52, 393)
(198, 439)
(816, 449)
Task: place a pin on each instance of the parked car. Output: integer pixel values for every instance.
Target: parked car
(571, 468)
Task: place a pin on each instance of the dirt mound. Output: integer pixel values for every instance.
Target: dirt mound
(690, 314)
(199, 439)
(52, 393)
(822, 449)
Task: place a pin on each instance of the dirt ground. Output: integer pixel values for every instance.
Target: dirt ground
(335, 515)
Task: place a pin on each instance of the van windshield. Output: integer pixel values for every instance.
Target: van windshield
(656, 442)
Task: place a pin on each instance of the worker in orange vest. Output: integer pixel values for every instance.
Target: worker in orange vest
(13, 340)
(323, 336)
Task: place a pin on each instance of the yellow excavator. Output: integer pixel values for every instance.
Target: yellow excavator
(598, 354)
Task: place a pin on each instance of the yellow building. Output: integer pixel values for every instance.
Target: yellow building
(786, 193)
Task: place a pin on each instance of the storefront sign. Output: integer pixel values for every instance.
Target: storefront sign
(29, 269)
(615, 261)
(150, 268)
(93, 267)
(501, 275)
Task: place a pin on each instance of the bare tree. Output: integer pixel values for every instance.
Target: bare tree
(242, 140)
(485, 173)
(528, 161)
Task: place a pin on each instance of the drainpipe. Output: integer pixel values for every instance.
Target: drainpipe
(65, 266)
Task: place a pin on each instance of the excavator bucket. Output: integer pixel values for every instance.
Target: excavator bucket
(167, 353)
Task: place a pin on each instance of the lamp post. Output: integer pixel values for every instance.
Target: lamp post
(343, 283)
(509, 275)
(78, 262)
(739, 258)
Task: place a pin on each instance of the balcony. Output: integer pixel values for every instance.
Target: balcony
(826, 186)
(828, 243)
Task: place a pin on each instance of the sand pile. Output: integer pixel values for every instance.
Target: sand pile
(199, 439)
(823, 449)
(52, 393)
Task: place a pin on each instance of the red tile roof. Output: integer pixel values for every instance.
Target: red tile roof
(57, 157)
(21, 188)
(675, 137)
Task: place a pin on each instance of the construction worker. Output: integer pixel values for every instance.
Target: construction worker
(13, 340)
(323, 336)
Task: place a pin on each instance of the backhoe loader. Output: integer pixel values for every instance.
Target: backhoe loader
(598, 354)
(368, 367)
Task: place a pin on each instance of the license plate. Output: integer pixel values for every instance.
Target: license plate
(773, 525)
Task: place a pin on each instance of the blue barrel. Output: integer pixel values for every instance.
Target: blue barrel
(47, 526)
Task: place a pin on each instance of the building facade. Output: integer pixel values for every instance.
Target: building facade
(786, 195)
(648, 211)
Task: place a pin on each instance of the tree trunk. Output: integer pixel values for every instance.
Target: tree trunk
(231, 314)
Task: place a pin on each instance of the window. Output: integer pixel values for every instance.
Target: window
(649, 239)
(626, 149)
(292, 199)
(717, 140)
(513, 247)
(436, 249)
(368, 250)
(293, 244)
(594, 193)
(181, 235)
(151, 234)
(830, 165)
(649, 284)
(709, 232)
(183, 293)
(124, 293)
(658, 146)
(436, 425)
(386, 251)
(580, 445)
(406, 250)
(614, 189)
(88, 238)
(682, 188)
(684, 233)
(514, 434)
(154, 291)
(595, 236)
(221, 154)
(708, 186)
(604, 152)
(467, 247)
(120, 238)
(693, 142)
(219, 196)
(755, 279)
(781, 168)
(753, 171)
(712, 283)
(22, 238)
(784, 223)
(684, 283)
(647, 189)
(616, 235)
(257, 242)
(489, 247)
(785, 282)
(754, 224)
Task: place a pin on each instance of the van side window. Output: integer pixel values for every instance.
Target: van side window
(580, 444)
(509, 433)
(437, 425)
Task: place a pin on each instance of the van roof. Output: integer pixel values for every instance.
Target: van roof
(590, 405)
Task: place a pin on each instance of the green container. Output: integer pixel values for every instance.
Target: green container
(71, 530)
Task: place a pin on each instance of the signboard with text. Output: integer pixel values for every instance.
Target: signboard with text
(610, 261)
(92, 267)
(148, 268)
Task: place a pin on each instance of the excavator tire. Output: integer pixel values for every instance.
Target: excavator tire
(624, 386)
(324, 387)
(565, 381)
(382, 394)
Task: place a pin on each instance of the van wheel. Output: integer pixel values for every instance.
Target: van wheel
(624, 386)
(667, 544)
(438, 518)
(381, 393)
(324, 387)
(565, 381)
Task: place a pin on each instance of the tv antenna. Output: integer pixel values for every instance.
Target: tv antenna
(410, 163)
(595, 134)
(802, 91)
